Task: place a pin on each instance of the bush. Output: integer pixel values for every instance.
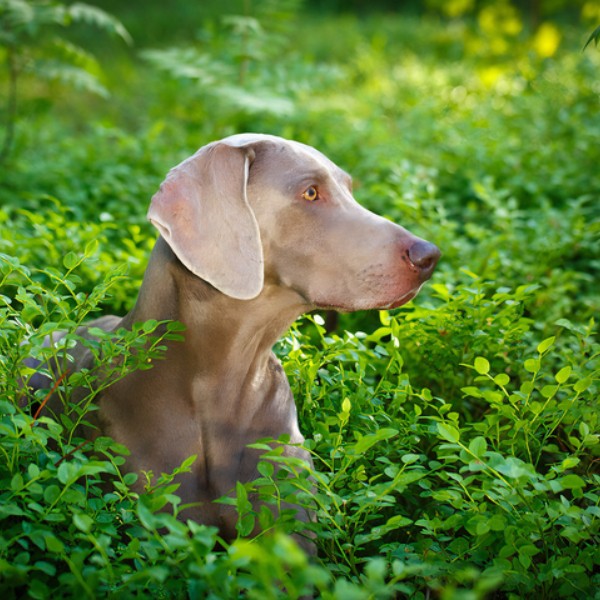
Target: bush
(455, 440)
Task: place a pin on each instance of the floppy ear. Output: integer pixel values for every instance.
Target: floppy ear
(202, 212)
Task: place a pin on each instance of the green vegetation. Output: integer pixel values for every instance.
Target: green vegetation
(455, 439)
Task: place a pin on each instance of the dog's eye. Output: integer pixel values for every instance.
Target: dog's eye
(311, 193)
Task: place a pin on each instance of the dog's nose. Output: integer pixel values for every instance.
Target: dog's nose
(424, 255)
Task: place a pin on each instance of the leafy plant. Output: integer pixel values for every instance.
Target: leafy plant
(594, 37)
(234, 65)
(31, 46)
(455, 441)
(409, 475)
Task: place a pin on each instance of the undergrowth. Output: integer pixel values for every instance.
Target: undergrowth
(455, 440)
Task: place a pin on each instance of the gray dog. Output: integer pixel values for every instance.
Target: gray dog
(254, 231)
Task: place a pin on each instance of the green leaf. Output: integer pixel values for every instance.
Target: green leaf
(149, 326)
(16, 482)
(147, 518)
(370, 439)
(91, 248)
(409, 459)
(8, 510)
(482, 527)
(70, 260)
(346, 406)
(583, 429)
(594, 37)
(497, 522)
(532, 365)
(86, 13)
(130, 478)
(525, 553)
(582, 384)
(471, 391)
(66, 473)
(482, 365)
(478, 446)
(265, 468)
(449, 433)
(543, 346)
(528, 550)
(47, 568)
(493, 397)
(571, 482)
(51, 493)
(187, 463)
(245, 524)
(549, 390)
(53, 544)
(376, 570)
(396, 522)
(569, 462)
(536, 407)
(501, 379)
(563, 375)
(526, 387)
(83, 522)
(570, 326)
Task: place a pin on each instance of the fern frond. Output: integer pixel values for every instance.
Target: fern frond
(85, 13)
(74, 55)
(55, 70)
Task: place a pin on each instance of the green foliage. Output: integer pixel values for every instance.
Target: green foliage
(594, 36)
(498, 491)
(238, 65)
(455, 441)
(31, 46)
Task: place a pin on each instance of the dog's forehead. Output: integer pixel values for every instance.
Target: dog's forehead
(296, 148)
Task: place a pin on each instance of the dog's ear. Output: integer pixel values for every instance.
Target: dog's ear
(202, 212)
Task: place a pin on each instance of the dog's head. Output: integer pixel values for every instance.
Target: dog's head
(255, 210)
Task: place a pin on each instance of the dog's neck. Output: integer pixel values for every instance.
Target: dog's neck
(226, 340)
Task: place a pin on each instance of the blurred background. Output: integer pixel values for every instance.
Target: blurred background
(473, 123)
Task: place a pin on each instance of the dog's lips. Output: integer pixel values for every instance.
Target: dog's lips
(402, 299)
(395, 303)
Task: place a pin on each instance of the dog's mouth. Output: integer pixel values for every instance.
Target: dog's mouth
(402, 299)
(351, 307)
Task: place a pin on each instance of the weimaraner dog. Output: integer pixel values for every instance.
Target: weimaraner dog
(254, 231)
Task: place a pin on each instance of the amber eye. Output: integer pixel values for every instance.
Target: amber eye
(311, 194)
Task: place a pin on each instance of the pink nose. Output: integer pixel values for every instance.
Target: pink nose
(424, 256)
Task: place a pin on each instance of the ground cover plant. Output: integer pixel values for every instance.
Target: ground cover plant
(455, 440)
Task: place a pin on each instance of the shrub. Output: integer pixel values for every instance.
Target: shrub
(455, 440)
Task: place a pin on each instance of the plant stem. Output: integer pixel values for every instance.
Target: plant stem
(11, 104)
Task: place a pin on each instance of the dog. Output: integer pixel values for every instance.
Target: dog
(254, 231)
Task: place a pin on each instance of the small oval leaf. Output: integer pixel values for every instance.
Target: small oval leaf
(583, 384)
(346, 405)
(70, 260)
(543, 346)
(478, 446)
(532, 365)
(570, 482)
(501, 379)
(482, 365)
(449, 433)
(563, 375)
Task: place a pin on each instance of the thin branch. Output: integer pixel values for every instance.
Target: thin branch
(48, 395)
